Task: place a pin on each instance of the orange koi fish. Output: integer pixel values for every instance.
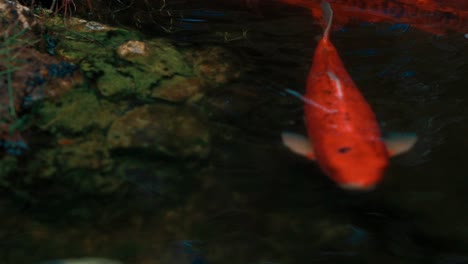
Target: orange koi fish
(343, 134)
(433, 16)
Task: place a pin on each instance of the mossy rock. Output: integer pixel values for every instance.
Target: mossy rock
(78, 38)
(178, 89)
(84, 165)
(169, 130)
(136, 73)
(215, 65)
(75, 112)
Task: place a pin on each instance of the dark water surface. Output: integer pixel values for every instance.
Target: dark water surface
(252, 201)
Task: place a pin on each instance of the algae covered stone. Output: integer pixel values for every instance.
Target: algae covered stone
(159, 57)
(172, 131)
(215, 65)
(131, 47)
(138, 68)
(78, 110)
(178, 89)
(88, 154)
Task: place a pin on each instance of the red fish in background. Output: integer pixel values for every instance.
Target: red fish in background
(433, 16)
(345, 137)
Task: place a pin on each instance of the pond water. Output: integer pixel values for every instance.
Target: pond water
(250, 200)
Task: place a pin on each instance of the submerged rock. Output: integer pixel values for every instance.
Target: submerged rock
(89, 154)
(169, 130)
(82, 164)
(215, 65)
(75, 112)
(131, 47)
(144, 66)
(178, 89)
(135, 67)
(122, 64)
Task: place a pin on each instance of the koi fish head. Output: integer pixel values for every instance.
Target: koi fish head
(358, 167)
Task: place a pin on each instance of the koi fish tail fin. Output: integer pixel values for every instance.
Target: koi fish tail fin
(327, 16)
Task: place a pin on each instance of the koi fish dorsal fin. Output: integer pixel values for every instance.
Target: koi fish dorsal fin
(298, 144)
(327, 16)
(399, 143)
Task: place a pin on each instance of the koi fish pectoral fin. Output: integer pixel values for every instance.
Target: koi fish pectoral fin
(298, 144)
(399, 143)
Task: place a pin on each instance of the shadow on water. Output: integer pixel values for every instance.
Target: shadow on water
(252, 201)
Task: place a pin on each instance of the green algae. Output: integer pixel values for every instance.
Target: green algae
(96, 51)
(77, 111)
(138, 74)
(161, 58)
(78, 41)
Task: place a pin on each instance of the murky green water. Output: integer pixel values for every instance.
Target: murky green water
(252, 201)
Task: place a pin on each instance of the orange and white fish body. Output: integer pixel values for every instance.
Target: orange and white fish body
(343, 132)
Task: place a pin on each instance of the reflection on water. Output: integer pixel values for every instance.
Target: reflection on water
(250, 200)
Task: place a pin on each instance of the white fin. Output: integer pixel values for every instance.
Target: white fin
(327, 16)
(399, 143)
(298, 144)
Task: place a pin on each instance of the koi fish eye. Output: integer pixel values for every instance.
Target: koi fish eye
(344, 150)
